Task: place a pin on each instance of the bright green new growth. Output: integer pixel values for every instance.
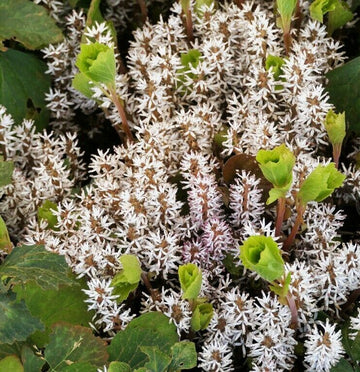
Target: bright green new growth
(97, 62)
(190, 277)
(262, 255)
(277, 165)
(286, 9)
(192, 57)
(201, 316)
(275, 63)
(320, 184)
(319, 8)
(335, 127)
(339, 13)
(282, 290)
(128, 278)
(45, 212)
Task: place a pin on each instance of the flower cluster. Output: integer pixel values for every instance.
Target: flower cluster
(164, 197)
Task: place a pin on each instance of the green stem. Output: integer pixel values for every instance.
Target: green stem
(280, 215)
(299, 219)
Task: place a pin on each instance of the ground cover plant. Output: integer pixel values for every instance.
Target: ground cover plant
(185, 197)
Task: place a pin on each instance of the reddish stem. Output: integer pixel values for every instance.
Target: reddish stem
(287, 41)
(189, 25)
(299, 219)
(143, 9)
(122, 113)
(280, 216)
(294, 311)
(336, 154)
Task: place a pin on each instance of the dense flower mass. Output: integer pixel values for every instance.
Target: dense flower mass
(165, 197)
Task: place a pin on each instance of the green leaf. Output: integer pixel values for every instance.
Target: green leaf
(51, 306)
(23, 84)
(277, 165)
(5, 242)
(191, 58)
(119, 367)
(10, 349)
(83, 84)
(28, 23)
(262, 255)
(45, 212)
(79, 367)
(339, 16)
(190, 277)
(6, 171)
(71, 344)
(201, 316)
(158, 361)
(344, 90)
(35, 263)
(31, 362)
(275, 63)
(319, 8)
(342, 366)
(11, 363)
(150, 329)
(335, 127)
(128, 278)
(183, 356)
(16, 321)
(320, 183)
(97, 62)
(286, 10)
(200, 3)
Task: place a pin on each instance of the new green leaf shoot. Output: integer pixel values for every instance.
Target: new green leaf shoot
(274, 63)
(201, 316)
(97, 62)
(319, 8)
(277, 166)
(320, 183)
(335, 127)
(262, 255)
(286, 10)
(128, 278)
(46, 212)
(190, 280)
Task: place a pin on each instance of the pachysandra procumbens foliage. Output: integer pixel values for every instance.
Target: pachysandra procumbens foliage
(178, 96)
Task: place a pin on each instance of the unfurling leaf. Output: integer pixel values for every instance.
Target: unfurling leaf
(286, 9)
(335, 127)
(128, 278)
(320, 183)
(201, 316)
(190, 280)
(319, 8)
(262, 255)
(97, 62)
(275, 63)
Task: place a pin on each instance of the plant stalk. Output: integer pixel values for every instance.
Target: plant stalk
(294, 311)
(143, 9)
(280, 215)
(299, 219)
(336, 154)
(122, 113)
